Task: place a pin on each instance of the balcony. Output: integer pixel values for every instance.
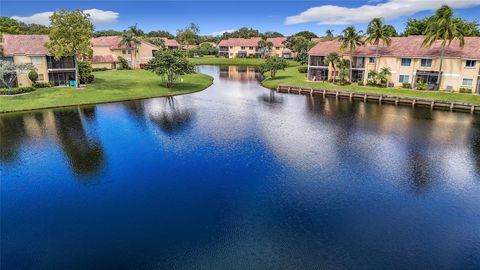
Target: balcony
(358, 62)
(223, 49)
(65, 63)
(317, 61)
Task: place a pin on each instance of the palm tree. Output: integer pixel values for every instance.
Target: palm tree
(333, 59)
(377, 31)
(131, 38)
(343, 73)
(384, 75)
(329, 34)
(350, 39)
(264, 47)
(442, 26)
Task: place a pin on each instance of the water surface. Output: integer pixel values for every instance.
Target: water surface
(239, 177)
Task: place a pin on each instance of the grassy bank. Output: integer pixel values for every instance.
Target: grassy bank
(292, 77)
(109, 86)
(211, 60)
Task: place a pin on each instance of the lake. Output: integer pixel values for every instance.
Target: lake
(240, 177)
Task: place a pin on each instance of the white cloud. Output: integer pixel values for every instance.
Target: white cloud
(219, 33)
(392, 9)
(97, 16)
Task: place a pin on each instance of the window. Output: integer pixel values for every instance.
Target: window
(124, 51)
(243, 47)
(36, 60)
(277, 48)
(404, 79)
(40, 77)
(129, 52)
(426, 63)
(251, 48)
(467, 82)
(470, 63)
(406, 62)
(371, 60)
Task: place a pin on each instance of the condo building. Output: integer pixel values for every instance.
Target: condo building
(247, 47)
(408, 61)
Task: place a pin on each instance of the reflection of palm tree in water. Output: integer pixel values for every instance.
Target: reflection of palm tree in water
(85, 153)
(271, 98)
(172, 118)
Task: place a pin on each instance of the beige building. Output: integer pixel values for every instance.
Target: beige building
(107, 50)
(247, 47)
(408, 62)
(31, 49)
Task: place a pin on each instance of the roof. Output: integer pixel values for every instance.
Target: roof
(108, 41)
(171, 42)
(97, 59)
(189, 47)
(24, 44)
(410, 46)
(247, 42)
(278, 41)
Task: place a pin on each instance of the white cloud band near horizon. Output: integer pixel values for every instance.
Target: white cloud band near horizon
(391, 9)
(97, 16)
(219, 33)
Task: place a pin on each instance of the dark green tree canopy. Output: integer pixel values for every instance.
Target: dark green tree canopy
(272, 65)
(170, 65)
(103, 33)
(160, 33)
(12, 26)
(306, 34)
(419, 26)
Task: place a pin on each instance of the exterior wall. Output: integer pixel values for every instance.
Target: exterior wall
(22, 79)
(233, 51)
(103, 65)
(101, 50)
(145, 52)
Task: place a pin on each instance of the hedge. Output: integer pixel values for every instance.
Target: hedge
(15, 91)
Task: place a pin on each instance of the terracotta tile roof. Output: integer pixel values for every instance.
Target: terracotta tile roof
(189, 47)
(107, 41)
(278, 41)
(247, 42)
(171, 42)
(97, 59)
(24, 44)
(410, 46)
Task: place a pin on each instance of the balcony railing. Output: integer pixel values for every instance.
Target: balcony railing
(317, 61)
(223, 49)
(63, 63)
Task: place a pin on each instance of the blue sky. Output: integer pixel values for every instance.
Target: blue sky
(286, 17)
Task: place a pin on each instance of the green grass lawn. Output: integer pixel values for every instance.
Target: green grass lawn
(292, 77)
(211, 60)
(109, 86)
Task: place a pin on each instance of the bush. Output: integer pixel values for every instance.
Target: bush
(144, 66)
(360, 83)
(85, 72)
(100, 69)
(407, 85)
(123, 63)
(421, 85)
(465, 90)
(303, 69)
(42, 85)
(15, 91)
(33, 75)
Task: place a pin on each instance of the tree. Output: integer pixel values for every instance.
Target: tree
(384, 75)
(103, 33)
(442, 26)
(157, 41)
(169, 65)
(131, 39)
(272, 65)
(372, 77)
(264, 47)
(244, 32)
(419, 26)
(85, 71)
(188, 35)
(350, 39)
(271, 34)
(160, 33)
(70, 35)
(343, 65)
(12, 26)
(415, 27)
(9, 71)
(391, 29)
(329, 35)
(378, 32)
(332, 59)
(33, 76)
(306, 34)
(299, 45)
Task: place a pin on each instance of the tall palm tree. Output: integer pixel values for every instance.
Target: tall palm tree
(350, 39)
(378, 32)
(442, 26)
(131, 38)
(332, 59)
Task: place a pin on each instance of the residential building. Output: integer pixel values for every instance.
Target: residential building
(107, 50)
(172, 44)
(31, 49)
(247, 47)
(408, 61)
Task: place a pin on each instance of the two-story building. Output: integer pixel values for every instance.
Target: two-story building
(107, 50)
(247, 47)
(31, 49)
(408, 61)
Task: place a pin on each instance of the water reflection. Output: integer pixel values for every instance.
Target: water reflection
(239, 73)
(170, 116)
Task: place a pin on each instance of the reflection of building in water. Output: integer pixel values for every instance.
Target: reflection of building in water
(239, 73)
(83, 150)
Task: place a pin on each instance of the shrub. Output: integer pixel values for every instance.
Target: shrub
(42, 84)
(303, 69)
(421, 85)
(123, 64)
(360, 83)
(407, 85)
(465, 90)
(143, 66)
(85, 72)
(33, 75)
(100, 69)
(15, 91)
